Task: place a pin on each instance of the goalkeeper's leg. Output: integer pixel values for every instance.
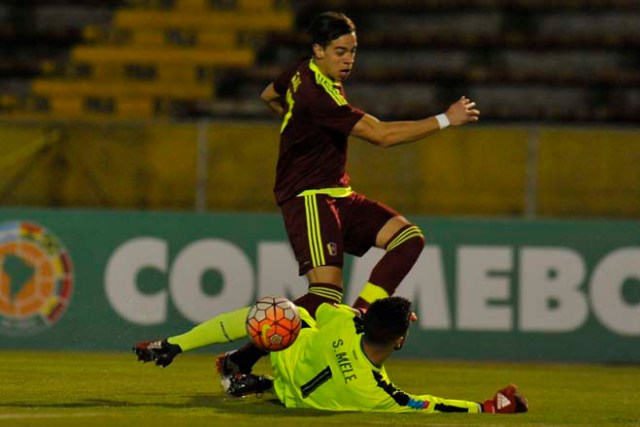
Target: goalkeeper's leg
(223, 328)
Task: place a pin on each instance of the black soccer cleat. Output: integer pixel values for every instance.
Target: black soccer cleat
(240, 385)
(161, 352)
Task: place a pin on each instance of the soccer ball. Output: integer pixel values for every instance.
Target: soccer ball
(273, 323)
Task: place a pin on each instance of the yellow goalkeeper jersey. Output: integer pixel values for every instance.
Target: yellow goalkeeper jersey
(326, 369)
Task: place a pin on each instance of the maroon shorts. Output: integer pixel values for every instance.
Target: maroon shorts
(322, 228)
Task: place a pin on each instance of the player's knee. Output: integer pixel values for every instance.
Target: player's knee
(419, 237)
(410, 240)
(416, 243)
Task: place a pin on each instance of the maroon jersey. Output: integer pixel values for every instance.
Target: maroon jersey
(313, 137)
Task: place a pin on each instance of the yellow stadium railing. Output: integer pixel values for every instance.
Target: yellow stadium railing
(218, 20)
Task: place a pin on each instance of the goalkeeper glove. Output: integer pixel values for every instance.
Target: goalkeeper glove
(506, 401)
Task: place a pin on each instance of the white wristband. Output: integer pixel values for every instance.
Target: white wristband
(443, 120)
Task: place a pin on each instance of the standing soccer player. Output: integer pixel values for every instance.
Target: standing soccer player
(324, 218)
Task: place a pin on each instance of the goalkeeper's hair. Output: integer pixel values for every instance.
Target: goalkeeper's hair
(328, 26)
(386, 320)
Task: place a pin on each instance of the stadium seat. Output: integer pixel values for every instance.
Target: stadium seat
(559, 51)
(584, 50)
(117, 89)
(240, 5)
(187, 57)
(197, 20)
(152, 56)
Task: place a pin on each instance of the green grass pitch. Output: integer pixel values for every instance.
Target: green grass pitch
(113, 389)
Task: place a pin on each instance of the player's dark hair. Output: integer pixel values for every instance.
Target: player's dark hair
(328, 26)
(386, 320)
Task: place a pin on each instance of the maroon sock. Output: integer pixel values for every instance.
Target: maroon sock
(403, 250)
(361, 304)
(317, 294)
(247, 356)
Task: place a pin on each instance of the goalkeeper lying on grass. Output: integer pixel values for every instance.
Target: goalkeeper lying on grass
(335, 364)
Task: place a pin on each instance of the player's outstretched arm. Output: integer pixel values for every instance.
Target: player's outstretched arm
(506, 401)
(386, 134)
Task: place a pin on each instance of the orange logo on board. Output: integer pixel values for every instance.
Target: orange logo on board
(36, 278)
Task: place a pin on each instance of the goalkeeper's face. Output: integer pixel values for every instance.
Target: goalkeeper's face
(336, 60)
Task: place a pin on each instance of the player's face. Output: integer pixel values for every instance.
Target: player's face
(337, 59)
